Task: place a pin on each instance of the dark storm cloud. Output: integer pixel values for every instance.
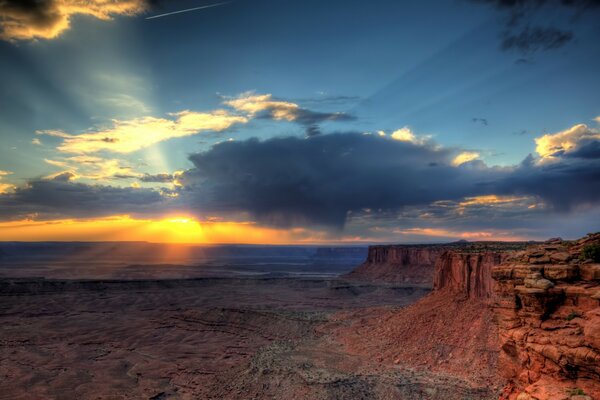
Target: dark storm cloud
(60, 198)
(319, 180)
(589, 149)
(564, 184)
(523, 35)
(322, 181)
(157, 178)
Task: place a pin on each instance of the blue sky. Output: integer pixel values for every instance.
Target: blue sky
(436, 68)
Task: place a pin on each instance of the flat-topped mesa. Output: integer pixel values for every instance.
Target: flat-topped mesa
(548, 306)
(399, 264)
(415, 264)
(467, 273)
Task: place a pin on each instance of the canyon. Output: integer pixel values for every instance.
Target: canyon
(522, 319)
(481, 320)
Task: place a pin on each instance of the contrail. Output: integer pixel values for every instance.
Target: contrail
(189, 9)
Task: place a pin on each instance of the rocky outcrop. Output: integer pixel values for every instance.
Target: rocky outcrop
(416, 264)
(451, 331)
(467, 273)
(548, 307)
(399, 264)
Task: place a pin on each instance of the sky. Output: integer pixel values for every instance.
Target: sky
(286, 121)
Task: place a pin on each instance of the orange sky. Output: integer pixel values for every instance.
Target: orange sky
(176, 229)
(185, 229)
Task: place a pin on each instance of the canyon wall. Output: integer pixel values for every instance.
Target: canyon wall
(398, 264)
(451, 331)
(416, 264)
(548, 308)
(468, 273)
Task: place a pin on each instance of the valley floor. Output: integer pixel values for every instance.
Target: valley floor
(209, 338)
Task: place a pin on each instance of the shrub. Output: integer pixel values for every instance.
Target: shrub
(591, 252)
(572, 315)
(577, 392)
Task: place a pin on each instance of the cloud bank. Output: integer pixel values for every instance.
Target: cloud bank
(48, 19)
(328, 181)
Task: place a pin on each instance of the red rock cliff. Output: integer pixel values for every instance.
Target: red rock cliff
(467, 273)
(399, 264)
(548, 308)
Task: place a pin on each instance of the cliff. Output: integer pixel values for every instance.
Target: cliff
(416, 264)
(467, 273)
(450, 331)
(548, 308)
(398, 264)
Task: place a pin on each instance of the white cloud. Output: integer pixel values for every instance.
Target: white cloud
(132, 135)
(5, 187)
(551, 146)
(465, 157)
(253, 104)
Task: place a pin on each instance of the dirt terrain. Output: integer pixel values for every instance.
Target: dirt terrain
(202, 338)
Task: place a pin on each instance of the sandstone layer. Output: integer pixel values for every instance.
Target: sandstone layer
(547, 304)
(467, 273)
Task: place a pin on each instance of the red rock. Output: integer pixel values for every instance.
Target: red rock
(466, 273)
(398, 264)
(550, 339)
(590, 272)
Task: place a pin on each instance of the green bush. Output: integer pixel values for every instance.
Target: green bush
(591, 252)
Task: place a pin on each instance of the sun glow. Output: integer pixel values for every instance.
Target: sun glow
(171, 229)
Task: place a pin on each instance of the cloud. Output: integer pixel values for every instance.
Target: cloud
(59, 197)
(65, 176)
(5, 187)
(320, 180)
(565, 184)
(163, 178)
(465, 157)
(521, 32)
(483, 121)
(579, 141)
(127, 136)
(93, 167)
(48, 19)
(335, 180)
(263, 105)
(531, 40)
(132, 135)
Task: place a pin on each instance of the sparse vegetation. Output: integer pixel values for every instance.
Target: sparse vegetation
(572, 315)
(577, 392)
(591, 252)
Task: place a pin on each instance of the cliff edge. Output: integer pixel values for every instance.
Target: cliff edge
(548, 308)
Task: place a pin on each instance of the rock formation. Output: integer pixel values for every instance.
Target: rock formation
(468, 273)
(399, 264)
(415, 264)
(547, 305)
(450, 331)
